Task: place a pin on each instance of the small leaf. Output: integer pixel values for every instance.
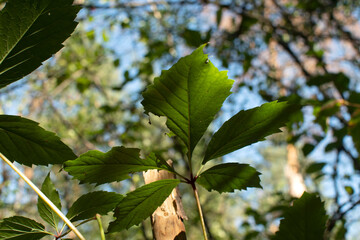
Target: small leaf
(229, 176)
(192, 38)
(349, 190)
(189, 94)
(23, 141)
(315, 167)
(248, 127)
(31, 31)
(115, 165)
(21, 228)
(44, 210)
(305, 220)
(141, 203)
(308, 148)
(88, 205)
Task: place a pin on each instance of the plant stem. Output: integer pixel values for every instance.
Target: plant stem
(77, 225)
(43, 197)
(200, 211)
(98, 218)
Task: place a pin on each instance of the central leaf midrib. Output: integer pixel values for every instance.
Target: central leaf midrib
(22, 35)
(189, 127)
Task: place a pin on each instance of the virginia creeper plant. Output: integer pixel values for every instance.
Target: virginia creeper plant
(189, 95)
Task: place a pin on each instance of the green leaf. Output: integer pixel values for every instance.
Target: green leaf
(305, 220)
(315, 167)
(88, 205)
(21, 228)
(307, 149)
(248, 127)
(340, 80)
(44, 210)
(31, 31)
(229, 176)
(192, 38)
(246, 23)
(141, 203)
(23, 141)
(115, 165)
(189, 94)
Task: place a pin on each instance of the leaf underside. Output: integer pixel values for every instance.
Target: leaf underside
(44, 210)
(23, 141)
(229, 176)
(305, 220)
(189, 94)
(31, 31)
(21, 228)
(141, 203)
(248, 127)
(115, 165)
(90, 204)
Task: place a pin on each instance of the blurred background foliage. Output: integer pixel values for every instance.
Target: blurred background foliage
(303, 51)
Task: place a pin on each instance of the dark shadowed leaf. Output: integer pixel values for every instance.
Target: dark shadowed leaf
(229, 176)
(340, 80)
(308, 148)
(141, 203)
(23, 141)
(115, 165)
(21, 228)
(88, 205)
(248, 127)
(192, 38)
(189, 94)
(31, 31)
(305, 220)
(44, 210)
(315, 167)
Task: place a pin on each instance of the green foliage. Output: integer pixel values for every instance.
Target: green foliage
(115, 165)
(90, 204)
(189, 95)
(23, 141)
(340, 80)
(44, 210)
(31, 31)
(229, 176)
(315, 167)
(141, 203)
(248, 127)
(305, 220)
(21, 228)
(183, 94)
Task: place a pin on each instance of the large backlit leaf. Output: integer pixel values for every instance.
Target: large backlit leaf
(248, 127)
(229, 176)
(115, 165)
(44, 210)
(141, 203)
(189, 94)
(305, 220)
(30, 32)
(23, 141)
(88, 205)
(21, 228)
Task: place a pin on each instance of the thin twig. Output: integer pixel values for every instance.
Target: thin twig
(43, 197)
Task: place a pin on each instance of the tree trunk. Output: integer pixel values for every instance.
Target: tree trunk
(167, 220)
(295, 178)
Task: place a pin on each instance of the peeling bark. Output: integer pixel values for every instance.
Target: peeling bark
(167, 220)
